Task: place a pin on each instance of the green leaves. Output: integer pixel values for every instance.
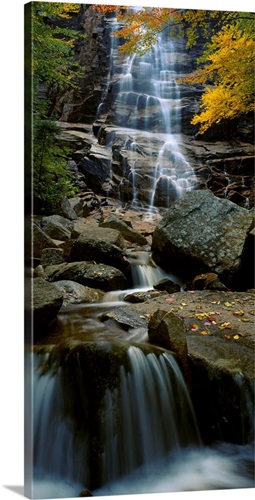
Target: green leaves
(53, 69)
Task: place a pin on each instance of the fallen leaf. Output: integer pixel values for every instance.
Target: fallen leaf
(227, 304)
(218, 312)
(194, 327)
(170, 299)
(183, 304)
(211, 319)
(238, 313)
(201, 315)
(251, 312)
(225, 325)
(207, 323)
(236, 337)
(198, 307)
(204, 332)
(227, 337)
(245, 320)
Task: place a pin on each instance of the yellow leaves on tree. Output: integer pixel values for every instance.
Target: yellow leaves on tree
(228, 58)
(231, 69)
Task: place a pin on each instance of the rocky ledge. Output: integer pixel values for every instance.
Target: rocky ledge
(209, 324)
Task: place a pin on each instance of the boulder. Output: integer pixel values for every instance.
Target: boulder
(40, 241)
(101, 245)
(51, 256)
(201, 233)
(126, 318)
(57, 227)
(74, 293)
(127, 232)
(167, 285)
(223, 387)
(47, 301)
(99, 276)
(208, 281)
(66, 210)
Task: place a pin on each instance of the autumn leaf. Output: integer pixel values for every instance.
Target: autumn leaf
(194, 327)
(204, 332)
(225, 325)
(169, 299)
(236, 337)
(238, 313)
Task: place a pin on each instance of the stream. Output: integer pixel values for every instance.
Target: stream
(113, 415)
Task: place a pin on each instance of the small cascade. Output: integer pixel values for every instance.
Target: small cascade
(146, 100)
(142, 416)
(123, 423)
(145, 272)
(135, 421)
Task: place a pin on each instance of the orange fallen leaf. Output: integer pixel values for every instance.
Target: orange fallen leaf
(194, 326)
(204, 332)
(238, 313)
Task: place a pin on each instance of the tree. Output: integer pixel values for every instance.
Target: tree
(53, 68)
(227, 65)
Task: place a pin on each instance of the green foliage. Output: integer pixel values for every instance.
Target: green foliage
(53, 68)
(50, 177)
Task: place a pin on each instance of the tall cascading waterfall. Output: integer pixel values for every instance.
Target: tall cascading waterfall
(147, 109)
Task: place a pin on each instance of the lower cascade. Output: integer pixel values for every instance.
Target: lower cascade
(113, 415)
(131, 429)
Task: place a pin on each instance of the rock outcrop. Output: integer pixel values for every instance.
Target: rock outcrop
(202, 233)
(47, 301)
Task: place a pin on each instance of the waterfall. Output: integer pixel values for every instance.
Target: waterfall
(135, 422)
(123, 424)
(147, 416)
(146, 100)
(145, 272)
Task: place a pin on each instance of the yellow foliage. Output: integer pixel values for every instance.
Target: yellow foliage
(231, 67)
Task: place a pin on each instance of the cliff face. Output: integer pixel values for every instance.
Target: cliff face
(80, 105)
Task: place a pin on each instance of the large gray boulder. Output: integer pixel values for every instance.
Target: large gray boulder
(202, 233)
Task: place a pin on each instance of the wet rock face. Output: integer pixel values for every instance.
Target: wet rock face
(201, 233)
(47, 301)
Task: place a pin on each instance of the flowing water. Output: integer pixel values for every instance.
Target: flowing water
(148, 101)
(114, 416)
